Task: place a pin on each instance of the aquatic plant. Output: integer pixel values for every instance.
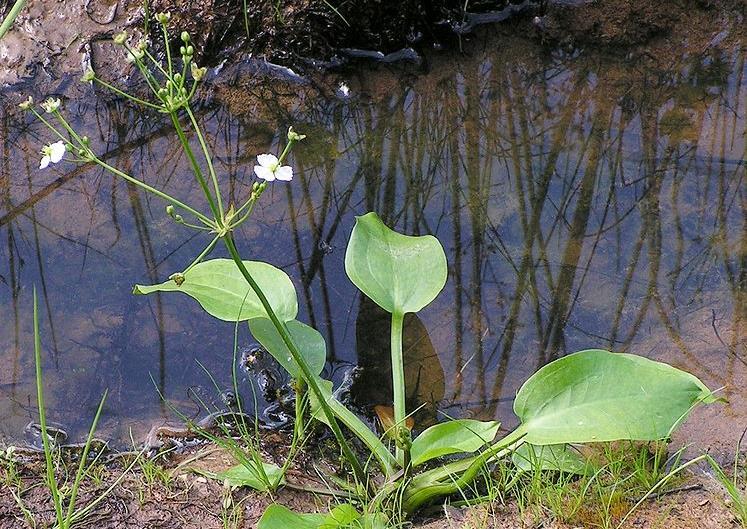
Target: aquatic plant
(589, 396)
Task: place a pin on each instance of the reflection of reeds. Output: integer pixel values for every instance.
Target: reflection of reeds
(572, 211)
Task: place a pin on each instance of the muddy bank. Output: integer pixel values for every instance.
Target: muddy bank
(52, 38)
(173, 493)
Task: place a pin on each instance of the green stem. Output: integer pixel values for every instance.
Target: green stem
(423, 490)
(310, 379)
(217, 210)
(160, 194)
(298, 426)
(82, 464)
(208, 159)
(125, 94)
(199, 258)
(398, 384)
(52, 480)
(8, 22)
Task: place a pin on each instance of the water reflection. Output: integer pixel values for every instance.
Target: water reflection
(582, 200)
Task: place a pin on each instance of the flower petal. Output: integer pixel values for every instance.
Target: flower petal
(44, 162)
(264, 173)
(57, 151)
(267, 160)
(284, 173)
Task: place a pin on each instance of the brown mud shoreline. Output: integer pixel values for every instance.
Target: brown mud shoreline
(290, 36)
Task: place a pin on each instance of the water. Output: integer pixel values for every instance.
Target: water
(583, 200)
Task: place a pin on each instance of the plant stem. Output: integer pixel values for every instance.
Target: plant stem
(51, 479)
(311, 380)
(217, 210)
(398, 385)
(208, 160)
(5, 26)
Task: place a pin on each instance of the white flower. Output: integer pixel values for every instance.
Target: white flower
(52, 154)
(269, 169)
(50, 105)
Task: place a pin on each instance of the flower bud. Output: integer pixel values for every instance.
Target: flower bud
(177, 77)
(190, 51)
(86, 141)
(163, 18)
(88, 76)
(26, 105)
(185, 36)
(294, 136)
(120, 38)
(170, 210)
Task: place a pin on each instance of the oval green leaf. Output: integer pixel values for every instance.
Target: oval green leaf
(222, 291)
(249, 476)
(452, 437)
(595, 395)
(399, 272)
(310, 343)
(279, 517)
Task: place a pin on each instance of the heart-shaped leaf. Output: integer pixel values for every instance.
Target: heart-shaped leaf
(400, 273)
(279, 517)
(561, 458)
(452, 437)
(249, 476)
(595, 395)
(308, 340)
(222, 291)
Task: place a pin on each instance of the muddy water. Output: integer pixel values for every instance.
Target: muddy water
(583, 200)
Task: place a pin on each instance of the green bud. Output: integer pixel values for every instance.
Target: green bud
(177, 77)
(82, 153)
(120, 38)
(88, 76)
(142, 45)
(185, 36)
(26, 105)
(162, 92)
(86, 140)
(170, 210)
(190, 51)
(163, 18)
(294, 136)
(182, 51)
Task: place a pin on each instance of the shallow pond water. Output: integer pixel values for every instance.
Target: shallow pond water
(583, 200)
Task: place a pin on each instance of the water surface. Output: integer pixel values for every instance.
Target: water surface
(583, 200)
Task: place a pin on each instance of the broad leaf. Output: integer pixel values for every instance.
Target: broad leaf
(562, 458)
(596, 395)
(279, 517)
(343, 515)
(222, 291)
(308, 340)
(249, 476)
(399, 272)
(452, 437)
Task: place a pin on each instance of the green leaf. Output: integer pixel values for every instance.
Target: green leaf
(561, 458)
(596, 395)
(279, 517)
(222, 291)
(399, 272)
(452, 437)
(249, 476)
(343, 515)
(308, 340)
